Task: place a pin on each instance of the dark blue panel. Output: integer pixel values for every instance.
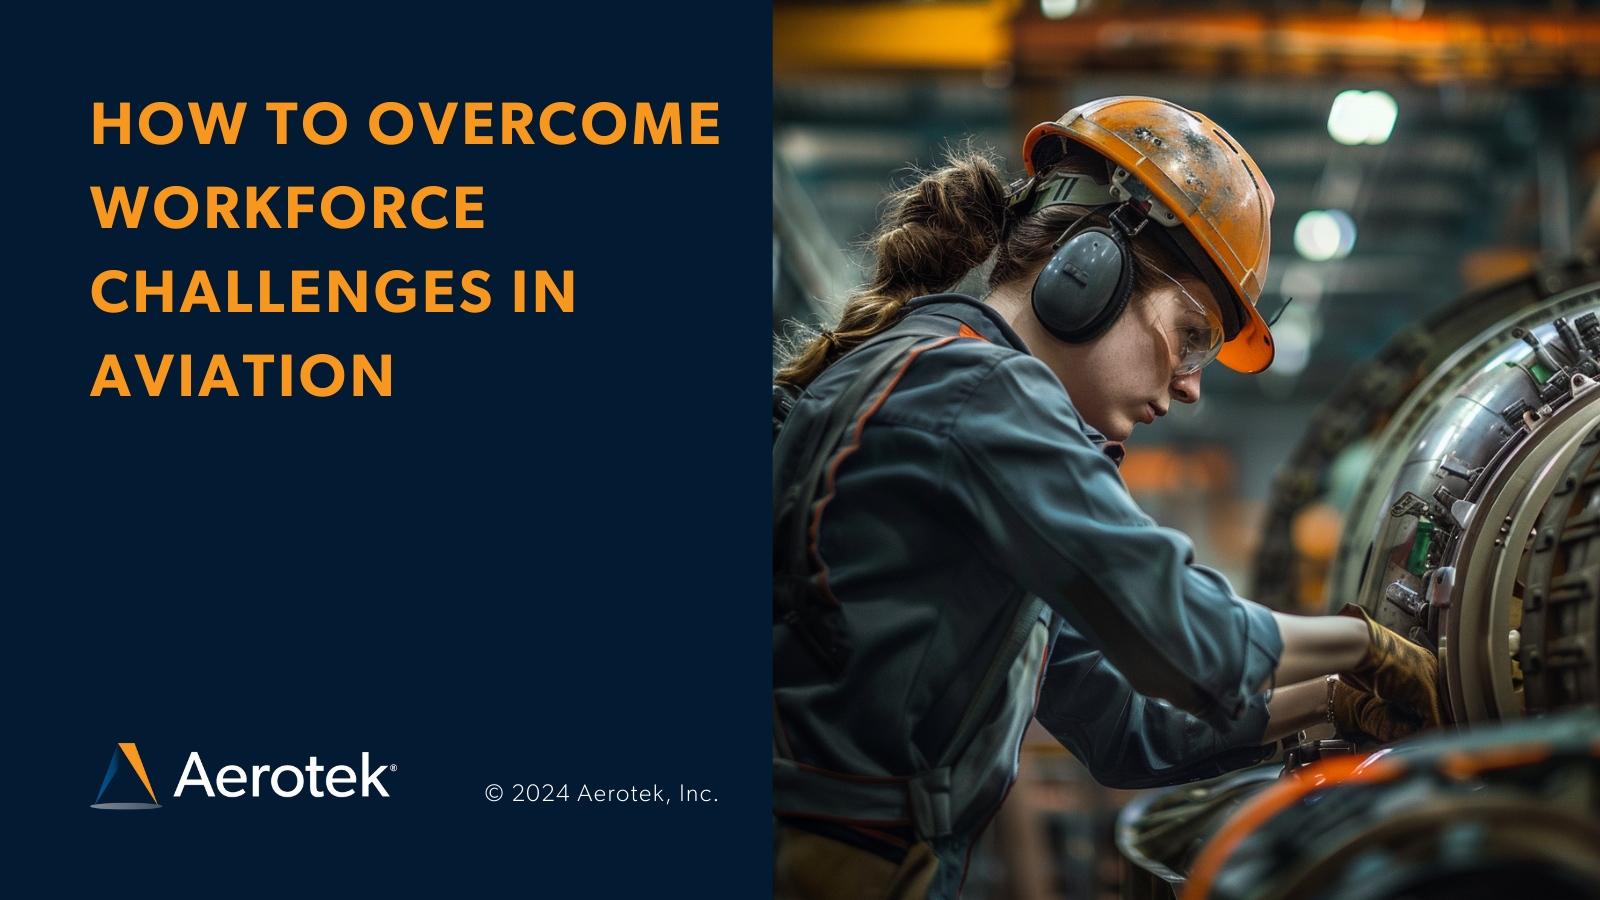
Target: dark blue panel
(533, 563)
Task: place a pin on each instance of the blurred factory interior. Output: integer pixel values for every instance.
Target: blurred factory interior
(1419, 150)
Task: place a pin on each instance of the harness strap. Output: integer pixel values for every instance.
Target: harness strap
(921, 801)
(798, 598)
(925, 800)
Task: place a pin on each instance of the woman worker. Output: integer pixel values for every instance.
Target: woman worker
(954, 551)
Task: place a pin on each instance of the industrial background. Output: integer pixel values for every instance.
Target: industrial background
(1420, 151)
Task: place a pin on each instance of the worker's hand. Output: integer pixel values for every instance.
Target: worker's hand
(1397, 670)
(1357, 711)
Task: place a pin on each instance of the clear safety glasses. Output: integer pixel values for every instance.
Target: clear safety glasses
(1196, 331)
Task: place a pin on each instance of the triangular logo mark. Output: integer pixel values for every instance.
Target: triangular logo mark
(130, 752)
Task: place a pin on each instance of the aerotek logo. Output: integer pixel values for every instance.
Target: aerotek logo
(232, 781)
(130, 752)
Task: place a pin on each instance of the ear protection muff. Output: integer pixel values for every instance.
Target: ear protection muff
(1086, 284)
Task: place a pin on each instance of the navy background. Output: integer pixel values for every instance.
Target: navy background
(537, 561)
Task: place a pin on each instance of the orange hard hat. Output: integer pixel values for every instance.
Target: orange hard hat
(1207, 183)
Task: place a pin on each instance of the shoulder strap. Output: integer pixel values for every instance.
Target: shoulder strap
(807, 453)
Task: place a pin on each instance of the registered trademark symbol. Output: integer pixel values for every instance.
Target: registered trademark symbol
(393, 767)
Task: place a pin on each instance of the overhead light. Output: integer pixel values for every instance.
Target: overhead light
(1362, 117)
(1058, 9)
(1323, 234)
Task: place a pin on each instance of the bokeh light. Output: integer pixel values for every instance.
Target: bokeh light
(1324, 234)
(1362, 117)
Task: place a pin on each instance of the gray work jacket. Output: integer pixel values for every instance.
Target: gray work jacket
(969, 491)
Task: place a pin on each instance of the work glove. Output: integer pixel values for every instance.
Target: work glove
(1396, 670)
(1356, 711)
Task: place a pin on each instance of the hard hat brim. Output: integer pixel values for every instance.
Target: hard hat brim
(1251, 350)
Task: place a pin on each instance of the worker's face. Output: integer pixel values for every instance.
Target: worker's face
(1150, 357)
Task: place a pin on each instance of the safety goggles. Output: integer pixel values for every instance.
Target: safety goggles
(1197, 332)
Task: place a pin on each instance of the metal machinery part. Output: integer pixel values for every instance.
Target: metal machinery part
(1476, 530)
(1433, 408)
(1367, 400)
(1510, 809)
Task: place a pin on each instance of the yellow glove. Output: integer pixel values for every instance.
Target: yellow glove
(1397, 670)
(1356, 711)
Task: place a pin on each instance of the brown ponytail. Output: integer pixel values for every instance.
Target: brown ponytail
(932, 234)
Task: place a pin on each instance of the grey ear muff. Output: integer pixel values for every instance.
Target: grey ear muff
(1085, 285)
